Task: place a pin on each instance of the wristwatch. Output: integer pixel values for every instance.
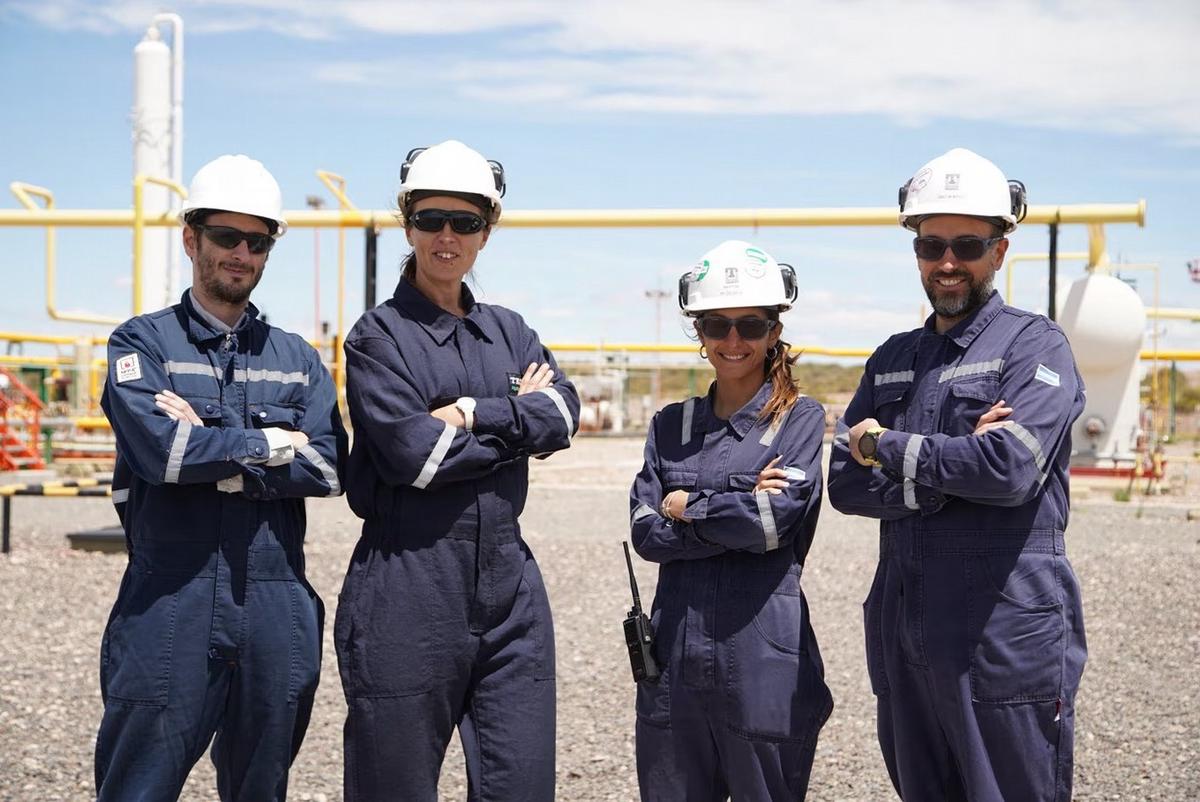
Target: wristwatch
(868, 445)
(466, 405)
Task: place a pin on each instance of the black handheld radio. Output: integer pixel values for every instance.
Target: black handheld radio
(639, 636)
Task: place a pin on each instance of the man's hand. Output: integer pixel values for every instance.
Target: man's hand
(992, 418)
(451, 414)
(536, 377)
(771, 479)
(176, 408)
(856, 433)
(674, 504)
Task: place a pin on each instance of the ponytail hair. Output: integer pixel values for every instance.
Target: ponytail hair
(408, 267)
(778, 369)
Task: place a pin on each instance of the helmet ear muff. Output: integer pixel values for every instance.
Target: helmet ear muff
(1016, 195)
(408, 160)
(683, 289)
(790, 289)
(904, 194)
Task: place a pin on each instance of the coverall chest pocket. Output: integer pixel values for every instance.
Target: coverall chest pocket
(270, 414)
(675, 479)
(206, 407)
(743, 480)
(888, 403)
(966, 402)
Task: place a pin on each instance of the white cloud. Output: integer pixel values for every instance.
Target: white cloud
(1107, 65)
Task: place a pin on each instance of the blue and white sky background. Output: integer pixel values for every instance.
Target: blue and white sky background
(622, 104)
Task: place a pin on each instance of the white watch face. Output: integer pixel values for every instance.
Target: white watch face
(465, 404)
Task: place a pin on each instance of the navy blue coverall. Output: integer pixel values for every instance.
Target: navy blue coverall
(215, 628)
(742, 694)
(974, 629)
(443, 619)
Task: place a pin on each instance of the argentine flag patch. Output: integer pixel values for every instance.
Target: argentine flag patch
(1046, 376)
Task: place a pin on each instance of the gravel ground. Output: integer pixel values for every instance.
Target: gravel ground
(1138, 735)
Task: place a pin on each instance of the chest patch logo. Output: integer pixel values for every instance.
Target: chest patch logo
(514, 383)
(129, 368)
(1046, 376)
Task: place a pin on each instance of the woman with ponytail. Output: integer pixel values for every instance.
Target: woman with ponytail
(727, 504)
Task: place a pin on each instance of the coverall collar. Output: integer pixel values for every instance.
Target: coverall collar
(203, 325)
(437, 322)
(966, 330)
(745, 418)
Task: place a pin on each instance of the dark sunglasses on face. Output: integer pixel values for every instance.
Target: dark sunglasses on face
(228, 238)
(716, 327)
(431, 220)
(968, 248)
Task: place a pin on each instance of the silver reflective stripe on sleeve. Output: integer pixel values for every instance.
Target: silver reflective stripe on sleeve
(642, 511)
(120, 496)
(1028, 440)
(178, 447)
(970, 370)
(689, 409)
(435, 457)
(910, 495)
(191, 369)
(910, 455)
(258, 375)
(318, 462)
(772, 430)
(557, 398)
(842, 439)
(767, 516)
(894, 378)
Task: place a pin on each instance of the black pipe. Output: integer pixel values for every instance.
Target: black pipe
(372, 246)
(1053, 310)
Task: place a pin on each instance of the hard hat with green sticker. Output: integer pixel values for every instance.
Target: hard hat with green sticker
(746, 276)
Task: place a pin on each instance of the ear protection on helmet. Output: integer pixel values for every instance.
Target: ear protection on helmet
(790, 288)
(497, 169)
(683, 289)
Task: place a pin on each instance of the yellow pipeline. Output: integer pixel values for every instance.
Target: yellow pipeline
(139, 227)
(598, 218)
(1017, 258)
(344, 205)
(45, 339)
(23, 191)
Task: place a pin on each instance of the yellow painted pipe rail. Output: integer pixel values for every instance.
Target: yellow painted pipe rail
(139, 227)
(23, 192)
(596, 218)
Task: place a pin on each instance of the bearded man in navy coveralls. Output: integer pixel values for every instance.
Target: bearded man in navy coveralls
(223, 424)
(958, 439)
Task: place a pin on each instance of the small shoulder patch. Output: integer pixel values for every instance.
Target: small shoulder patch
(1046, 376)
(129, 368)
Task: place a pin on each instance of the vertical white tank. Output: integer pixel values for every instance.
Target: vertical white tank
(1105, 321)
(152, 157)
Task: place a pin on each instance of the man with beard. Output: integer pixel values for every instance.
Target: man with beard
(224, 425)
(958, 440)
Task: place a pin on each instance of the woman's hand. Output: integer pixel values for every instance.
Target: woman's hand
(771, 479)
(176, 408)
(992, 418)
(673, 505)
(536, 377)
(451, 414)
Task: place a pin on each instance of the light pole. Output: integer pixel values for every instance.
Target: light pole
(316, 202)
(658, 296)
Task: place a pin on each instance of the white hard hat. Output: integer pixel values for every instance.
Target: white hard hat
(236, 184)
(736, 274)
(452, 168)
(962, 182)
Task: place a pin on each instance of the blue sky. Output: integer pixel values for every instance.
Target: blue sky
(622, 105)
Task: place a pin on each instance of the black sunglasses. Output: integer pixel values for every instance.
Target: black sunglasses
(228, 238)
(430, 220)
(716, 327)
(968, 248)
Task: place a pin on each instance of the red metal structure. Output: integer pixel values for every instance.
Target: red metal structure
(20, 424)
